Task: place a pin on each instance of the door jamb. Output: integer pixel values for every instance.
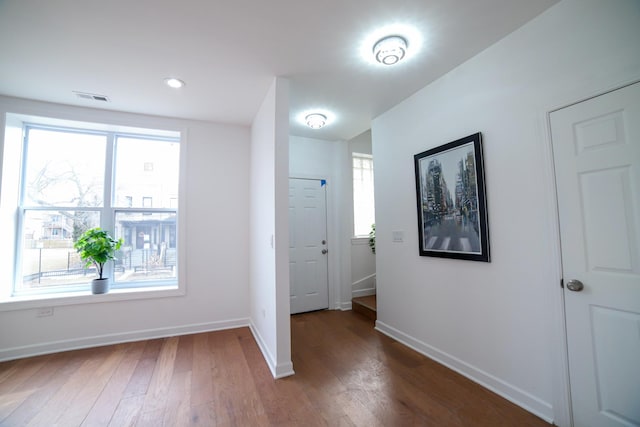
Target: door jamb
(563, 415)
(561, 391)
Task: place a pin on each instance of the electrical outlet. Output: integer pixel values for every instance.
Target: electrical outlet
(398, 236)
(45, 312)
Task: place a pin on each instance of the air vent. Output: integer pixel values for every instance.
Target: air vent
(92, 96)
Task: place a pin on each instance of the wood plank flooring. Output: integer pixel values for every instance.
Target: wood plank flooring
(347, 374)
(369, 301)
(367, 306)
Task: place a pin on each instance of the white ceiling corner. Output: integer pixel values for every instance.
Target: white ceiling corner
(228, 52)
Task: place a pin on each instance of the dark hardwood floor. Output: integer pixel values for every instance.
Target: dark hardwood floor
(367, 306)
(347, 374)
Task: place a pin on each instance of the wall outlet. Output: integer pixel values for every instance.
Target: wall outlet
(44, 312)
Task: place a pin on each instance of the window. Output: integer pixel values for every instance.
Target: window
(363, 199)
(73, 179)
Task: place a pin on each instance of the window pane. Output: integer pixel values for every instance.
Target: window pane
(64, 181)
(149, 250)
(64, 169)
(146, 173)
(48, 257)
(363, 195)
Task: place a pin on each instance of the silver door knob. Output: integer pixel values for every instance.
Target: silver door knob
(575, 285)
(324, 251)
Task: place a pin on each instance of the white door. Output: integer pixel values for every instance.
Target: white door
(596, 145)
(308, 245)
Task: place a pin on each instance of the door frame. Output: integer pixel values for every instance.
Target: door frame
(561, 387)
(332, 240)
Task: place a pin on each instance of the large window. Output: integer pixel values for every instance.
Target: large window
(73, 179)
(363, 200)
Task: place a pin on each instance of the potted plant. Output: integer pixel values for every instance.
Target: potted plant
(96, 247)
(372, 238)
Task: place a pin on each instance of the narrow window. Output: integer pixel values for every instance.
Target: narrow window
(363, 198)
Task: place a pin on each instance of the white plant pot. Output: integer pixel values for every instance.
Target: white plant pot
(100, 286)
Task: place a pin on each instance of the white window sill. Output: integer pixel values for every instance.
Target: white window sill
(360, 240)
(86, 297)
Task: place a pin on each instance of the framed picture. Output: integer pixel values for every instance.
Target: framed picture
(450, 191)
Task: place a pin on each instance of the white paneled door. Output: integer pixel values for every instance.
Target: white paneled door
(308, 245)
(596, 146)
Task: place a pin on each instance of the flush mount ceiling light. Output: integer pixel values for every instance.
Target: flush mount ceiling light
(315, 120)
(390, 50)
(174, 83)
(393, 44)
(316, 117)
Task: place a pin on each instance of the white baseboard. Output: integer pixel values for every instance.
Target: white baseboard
(284, 370)
(363, 292)
(513, 394)
(345, 306)
(108, 339)
(365, 279)
(277, 370)
(364, 284)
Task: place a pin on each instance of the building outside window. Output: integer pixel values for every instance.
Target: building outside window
(363, 196)
(74, 179)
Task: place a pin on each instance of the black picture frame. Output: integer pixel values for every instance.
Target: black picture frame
(451, 201)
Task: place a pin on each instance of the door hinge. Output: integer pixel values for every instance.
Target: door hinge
(562, 283)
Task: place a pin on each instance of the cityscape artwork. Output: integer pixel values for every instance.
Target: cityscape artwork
(450, 192)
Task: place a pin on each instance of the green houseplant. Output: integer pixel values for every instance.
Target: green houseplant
(96, 247)
(372, 238)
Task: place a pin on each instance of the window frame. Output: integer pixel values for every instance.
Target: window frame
(357, 155)
(10, 296)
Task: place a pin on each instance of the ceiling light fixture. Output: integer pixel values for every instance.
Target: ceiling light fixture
(377, 44)
(174, 83)
(315, 120)
(390, 50)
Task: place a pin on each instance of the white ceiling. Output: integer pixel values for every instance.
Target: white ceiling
(228, 51)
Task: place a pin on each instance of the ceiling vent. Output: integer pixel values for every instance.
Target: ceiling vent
(92, 96)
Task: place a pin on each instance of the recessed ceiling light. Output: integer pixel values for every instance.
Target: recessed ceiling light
(174, 83)
(315, 120)
(390, 50)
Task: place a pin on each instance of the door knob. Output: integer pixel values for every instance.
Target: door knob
(575, 285)
(324, 251)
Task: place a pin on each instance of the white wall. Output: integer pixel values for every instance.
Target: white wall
(492, 321)
(361, 143)
(269, 230)
(363, 268)
(215, 201)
